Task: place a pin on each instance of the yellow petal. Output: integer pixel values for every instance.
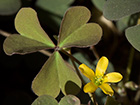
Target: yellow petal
(90, 87)
(101, 66)
(113, 77)
(107, 89)
(89, 73)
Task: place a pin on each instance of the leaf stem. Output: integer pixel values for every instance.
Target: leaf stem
(92, 48)
(73, 58)
(129, 66)
(4, 33)
(77, 71)
(92, 96)
(47, 53)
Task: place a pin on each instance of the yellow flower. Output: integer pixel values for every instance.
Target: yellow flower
(99, 79)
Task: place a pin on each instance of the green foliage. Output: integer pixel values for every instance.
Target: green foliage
(75, 32)
(99, 4)
(48, 100)
(69, 100)
(56, 75)
(133, 36)
(32, 37)
(27, 24)
(116, 9)
(123, 23)
(45, 100)
(53, 11)
(20, 45)
(57, 7)
(8, 7)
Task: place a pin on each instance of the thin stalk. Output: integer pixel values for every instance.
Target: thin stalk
(92, 96)
(130, 62)
(73, 58)
(92, 48)
(47, 53)
(77, 71)
(3, 33)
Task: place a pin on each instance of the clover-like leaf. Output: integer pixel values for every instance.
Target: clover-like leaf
(56, 75)
(69, 100)
(45, 100)
(133, 36)
(75, 32)
(8, 7)
(116, 9)
(57, 7)
(32, 37)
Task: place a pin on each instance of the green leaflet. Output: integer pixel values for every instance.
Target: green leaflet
(116, 9)
(56, 75)
(75, 32)
(123, 23)
(27, 24)
(45, 100)
(133, 36)
(21, 45)
(69, 100)
(49, 100)
(57, 7)
(8, 7)
(99, 4)
(53, 11)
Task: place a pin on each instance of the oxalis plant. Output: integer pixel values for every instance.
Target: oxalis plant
(56, 74)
